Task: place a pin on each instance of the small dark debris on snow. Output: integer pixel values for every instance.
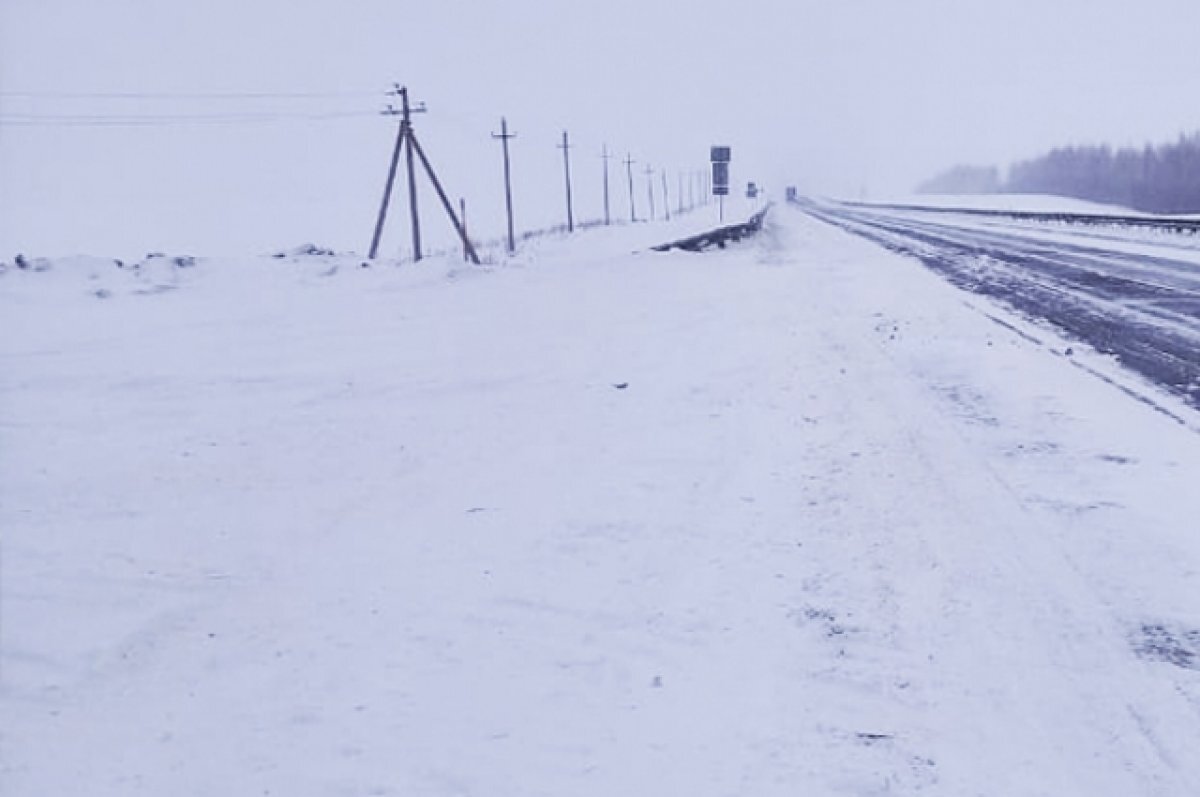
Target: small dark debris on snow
(872, 738)
(621, 385)
(1158, 642)
(1116, 459)
(819, 614)
(36, 264)
(181, 261)
(305, 250)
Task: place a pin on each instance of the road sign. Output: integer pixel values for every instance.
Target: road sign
(720, 157)
(720, 178)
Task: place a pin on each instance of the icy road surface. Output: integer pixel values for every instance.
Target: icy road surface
(794, 518)
(1129, 292)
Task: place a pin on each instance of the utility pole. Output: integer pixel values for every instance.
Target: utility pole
(666, 196)
(604, 154)
(403, 141)
(462, 209)
(503, 137)
(401, 135)
(650, 188)
(437, 186)
(565, 146)
(406, 121)
(407, 138)
(629, 161)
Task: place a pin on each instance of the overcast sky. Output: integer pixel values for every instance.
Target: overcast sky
(840, 97)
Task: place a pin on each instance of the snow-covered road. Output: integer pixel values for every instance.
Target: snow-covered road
(1131, 293)
(792, 518)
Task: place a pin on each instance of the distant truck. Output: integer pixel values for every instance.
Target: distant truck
(792, 194)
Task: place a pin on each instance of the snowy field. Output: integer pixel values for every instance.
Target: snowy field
(792, 518)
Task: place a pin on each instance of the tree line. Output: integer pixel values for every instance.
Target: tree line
(1154, 179)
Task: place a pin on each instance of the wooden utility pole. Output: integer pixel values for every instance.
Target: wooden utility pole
(437, 186)
(407, 138)
(565, 146)
(629, 161)
(406, 121)
(503, 137)
(462, 209)
(666, 196)
(401, 136)
(604, 154)
(650, 188)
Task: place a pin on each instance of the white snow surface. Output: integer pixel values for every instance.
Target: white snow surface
(1029, 203)
(297, 527)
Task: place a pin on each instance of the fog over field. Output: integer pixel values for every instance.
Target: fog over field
(101, 150)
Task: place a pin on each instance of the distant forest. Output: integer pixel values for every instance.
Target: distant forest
(1162, 179)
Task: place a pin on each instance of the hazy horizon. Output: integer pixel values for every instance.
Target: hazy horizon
(97, 154)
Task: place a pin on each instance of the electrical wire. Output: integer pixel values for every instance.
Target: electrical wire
(280, 107)
(158, 120)
(216, 95)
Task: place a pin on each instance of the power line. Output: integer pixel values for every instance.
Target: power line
(210, 95)
(157, 120)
